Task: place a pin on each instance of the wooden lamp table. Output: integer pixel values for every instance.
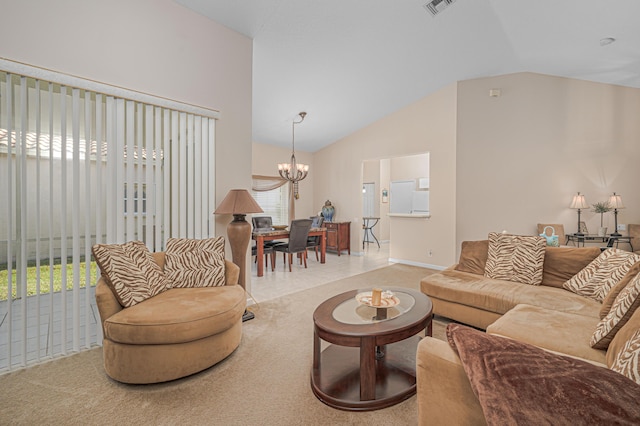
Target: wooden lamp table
(370, 362)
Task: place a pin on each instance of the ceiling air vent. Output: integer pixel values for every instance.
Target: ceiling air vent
(437, 6)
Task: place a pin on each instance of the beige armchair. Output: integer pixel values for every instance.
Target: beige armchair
(178, 332)
(557, 227)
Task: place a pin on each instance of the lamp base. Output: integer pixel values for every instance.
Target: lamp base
(616, 234)
(248, 315)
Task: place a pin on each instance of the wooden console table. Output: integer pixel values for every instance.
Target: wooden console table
(338, 236)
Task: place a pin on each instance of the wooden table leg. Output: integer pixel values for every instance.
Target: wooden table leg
(323, 247)
(260, 253)
(316, 351)
(368, 369)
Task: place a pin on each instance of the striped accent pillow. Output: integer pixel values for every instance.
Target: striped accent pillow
(195, 263)
(515, 258)
(602, 274)
(130, 271)
(622, 309)
(627, 362)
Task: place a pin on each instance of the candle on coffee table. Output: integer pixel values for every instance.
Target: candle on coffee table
(376, 297)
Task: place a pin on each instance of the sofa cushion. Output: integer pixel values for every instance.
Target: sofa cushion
(613, 293)
(130, 271)
(473, 256)
(195, 263)
(562, 332)
(562, 263)
(178, 315)
(622, 309)
(515, 258)
(500, 296)
(602, 274)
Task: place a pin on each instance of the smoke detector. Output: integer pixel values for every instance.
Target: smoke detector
(436, 6)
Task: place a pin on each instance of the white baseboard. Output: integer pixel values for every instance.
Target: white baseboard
(421, 265)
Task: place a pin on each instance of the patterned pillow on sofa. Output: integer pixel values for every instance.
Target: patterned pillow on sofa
(600, 276)
(195, 263)
(628, 361)
(130, 271)
(515, 258)
(622, 309)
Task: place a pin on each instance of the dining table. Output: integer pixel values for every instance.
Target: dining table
(261, 235)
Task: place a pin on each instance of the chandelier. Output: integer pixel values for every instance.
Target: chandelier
(293, 171)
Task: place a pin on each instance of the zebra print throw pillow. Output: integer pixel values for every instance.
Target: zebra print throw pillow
(627, 362)
(602, 274)
(622, 309)
(130, 271)
(195, 263)
(516, 258)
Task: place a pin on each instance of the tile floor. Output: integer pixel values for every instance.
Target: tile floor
(280, 281)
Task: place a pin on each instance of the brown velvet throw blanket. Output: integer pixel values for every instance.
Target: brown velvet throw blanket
(520, 384)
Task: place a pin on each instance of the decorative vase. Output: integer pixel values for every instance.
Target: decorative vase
(602, 231)
(327, 211)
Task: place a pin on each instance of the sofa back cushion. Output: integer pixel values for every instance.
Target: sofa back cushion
(562, 263)
(130, 271)
(518, 258)
(473, 257)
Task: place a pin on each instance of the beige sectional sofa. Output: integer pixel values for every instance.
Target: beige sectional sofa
(547, 316)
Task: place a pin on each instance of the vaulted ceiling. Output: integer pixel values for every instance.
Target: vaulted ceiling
(348, 63)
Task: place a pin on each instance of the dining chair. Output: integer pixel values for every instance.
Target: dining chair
(298, 235)
(264, 222)
(268, 253)
(314, 242)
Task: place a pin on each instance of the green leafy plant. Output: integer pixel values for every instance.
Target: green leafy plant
(601, 207)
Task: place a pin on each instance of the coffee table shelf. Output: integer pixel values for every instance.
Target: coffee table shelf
(367, 366)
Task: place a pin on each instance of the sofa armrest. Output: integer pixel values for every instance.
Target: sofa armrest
(106, 301)
(443, 390)
(231, 272)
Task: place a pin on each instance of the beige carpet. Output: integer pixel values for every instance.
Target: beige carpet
(264, 382)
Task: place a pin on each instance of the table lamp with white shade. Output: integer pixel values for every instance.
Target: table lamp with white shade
(615, 202)
(579, 202)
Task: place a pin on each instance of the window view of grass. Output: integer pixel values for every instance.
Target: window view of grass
(44, 279)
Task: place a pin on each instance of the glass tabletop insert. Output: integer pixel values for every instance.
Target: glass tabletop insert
(352, 312)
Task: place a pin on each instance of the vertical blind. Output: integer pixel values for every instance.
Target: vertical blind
(79, 167)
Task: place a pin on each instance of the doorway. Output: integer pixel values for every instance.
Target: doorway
(368, 199)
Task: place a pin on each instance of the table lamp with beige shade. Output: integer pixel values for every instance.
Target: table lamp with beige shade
(579, 202)
(239, 203)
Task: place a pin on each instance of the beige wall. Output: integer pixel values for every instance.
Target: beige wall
(265, 162)
(427, 125)
(522, 156)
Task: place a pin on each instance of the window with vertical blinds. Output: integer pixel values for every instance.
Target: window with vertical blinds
(83, 163)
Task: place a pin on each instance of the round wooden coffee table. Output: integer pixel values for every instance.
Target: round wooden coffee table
(371, 361)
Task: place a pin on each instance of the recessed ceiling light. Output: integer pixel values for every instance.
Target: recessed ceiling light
(606, 41)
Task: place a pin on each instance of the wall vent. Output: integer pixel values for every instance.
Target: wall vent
(436, 6)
